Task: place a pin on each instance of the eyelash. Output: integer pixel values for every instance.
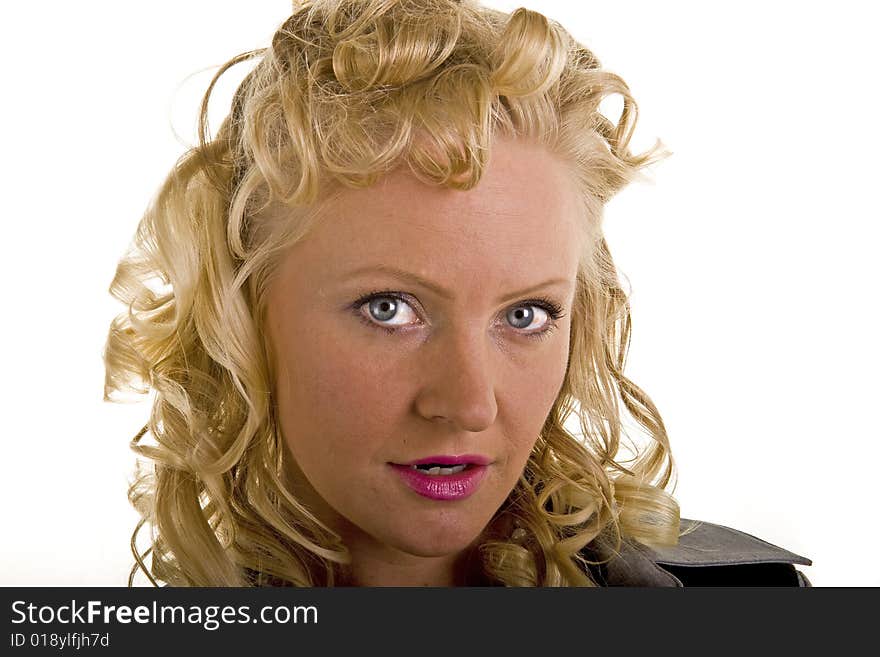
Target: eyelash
(553, 310)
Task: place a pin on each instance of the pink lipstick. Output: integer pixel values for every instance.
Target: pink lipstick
(444, 477)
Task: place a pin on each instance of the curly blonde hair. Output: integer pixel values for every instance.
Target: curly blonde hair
(348, 90)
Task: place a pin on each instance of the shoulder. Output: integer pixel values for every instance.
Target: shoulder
(706, 555)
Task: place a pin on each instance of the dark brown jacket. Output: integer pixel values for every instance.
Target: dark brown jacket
(710, 555)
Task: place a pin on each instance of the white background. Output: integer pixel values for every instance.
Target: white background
(751, 257)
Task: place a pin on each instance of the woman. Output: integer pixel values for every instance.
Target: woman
(370, 306)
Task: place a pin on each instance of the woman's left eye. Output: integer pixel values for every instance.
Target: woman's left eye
(391, 311)
(541, 311)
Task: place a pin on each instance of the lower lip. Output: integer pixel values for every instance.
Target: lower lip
(442, 487)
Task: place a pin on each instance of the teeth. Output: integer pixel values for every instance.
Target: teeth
(436, 470)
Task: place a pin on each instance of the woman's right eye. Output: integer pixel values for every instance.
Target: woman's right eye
(387, 311)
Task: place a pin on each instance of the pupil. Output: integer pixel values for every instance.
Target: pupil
(520, 317)
(383, 309)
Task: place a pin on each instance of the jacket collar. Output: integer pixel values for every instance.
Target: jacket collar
(634, 566)
(701, 544)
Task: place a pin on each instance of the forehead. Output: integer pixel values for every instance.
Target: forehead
(524, 217)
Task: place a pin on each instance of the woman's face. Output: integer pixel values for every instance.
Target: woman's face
(415, 324)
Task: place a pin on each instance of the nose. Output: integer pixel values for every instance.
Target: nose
(460, 381)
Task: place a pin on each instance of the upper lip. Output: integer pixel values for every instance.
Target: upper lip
(445, 459)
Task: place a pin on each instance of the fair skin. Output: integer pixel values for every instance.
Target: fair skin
(459, 374)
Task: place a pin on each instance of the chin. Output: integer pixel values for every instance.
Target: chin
(437, 541)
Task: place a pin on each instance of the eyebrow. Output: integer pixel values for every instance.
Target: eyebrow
(438, 289)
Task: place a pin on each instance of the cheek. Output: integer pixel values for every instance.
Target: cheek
(532, 391)
(333, 399)
(547, 378)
